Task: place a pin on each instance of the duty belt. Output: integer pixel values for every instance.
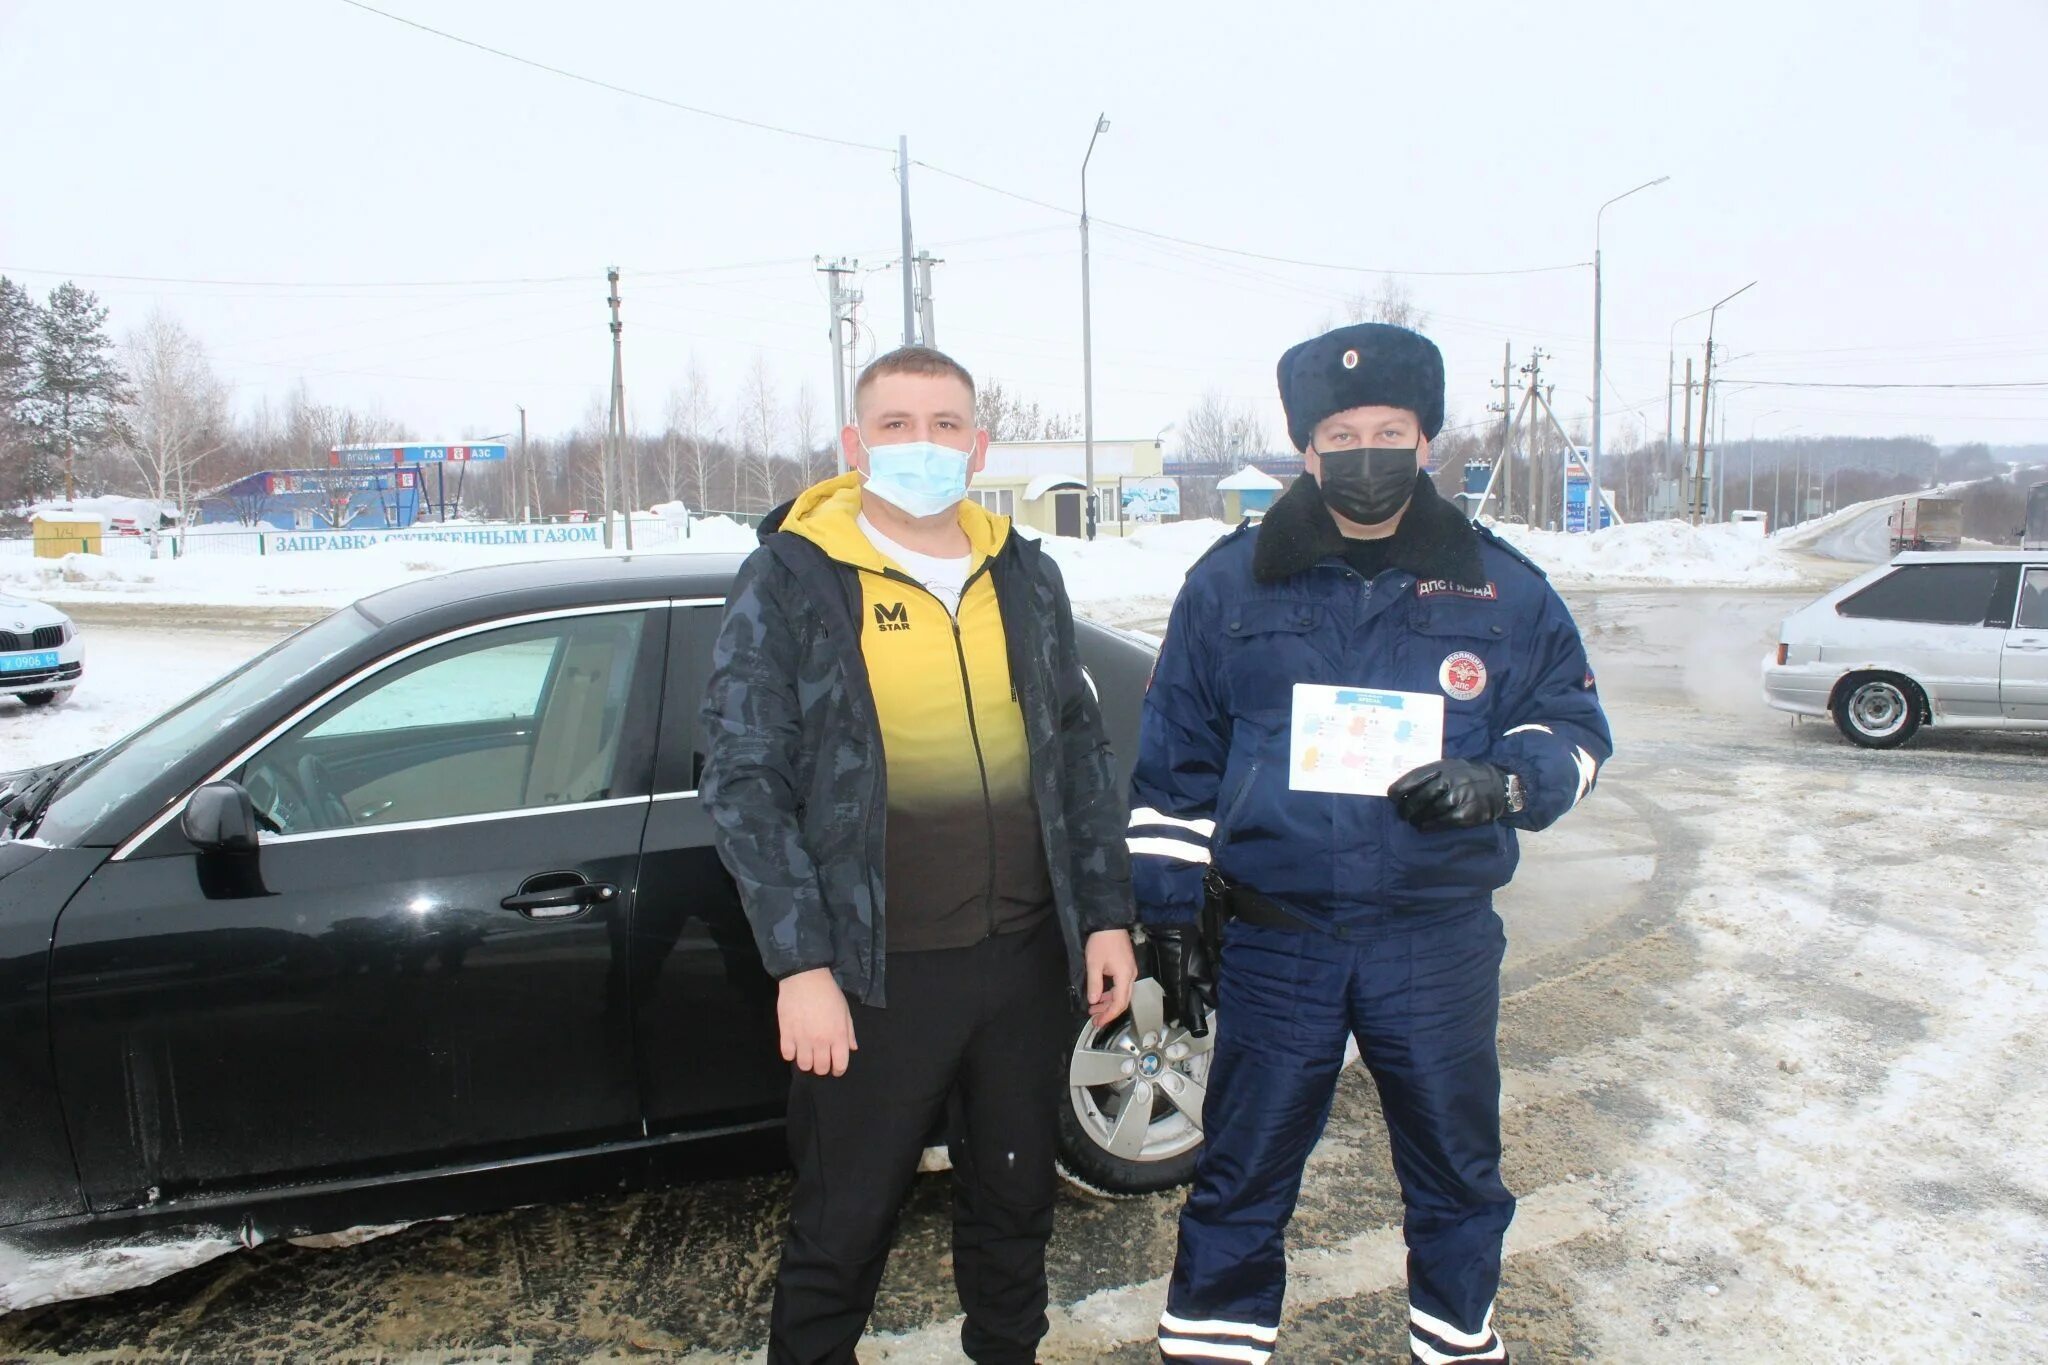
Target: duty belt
(1243, 903)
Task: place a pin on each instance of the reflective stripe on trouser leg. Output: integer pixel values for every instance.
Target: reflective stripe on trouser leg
(1427, 1011)
(1280, 1034)
(1433, 1341)
(1185, 1339)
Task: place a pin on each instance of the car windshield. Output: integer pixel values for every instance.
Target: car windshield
(124, 768)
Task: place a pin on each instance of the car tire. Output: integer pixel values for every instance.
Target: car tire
(1878, 710)
(1111, 1147)
(38, 698)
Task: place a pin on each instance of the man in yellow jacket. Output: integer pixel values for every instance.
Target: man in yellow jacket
(911, 786)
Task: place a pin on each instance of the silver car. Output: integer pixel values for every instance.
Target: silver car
(1956, 639)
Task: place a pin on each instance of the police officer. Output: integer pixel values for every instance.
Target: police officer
(1347, 912)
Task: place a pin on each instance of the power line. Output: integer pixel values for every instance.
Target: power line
(1350, 269)
(1238, 251)
(940, 170)
(1816, 384)
(389, 284)
(615, 89)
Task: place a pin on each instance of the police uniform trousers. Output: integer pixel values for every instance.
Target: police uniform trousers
(972, 1038)
(1421, 995)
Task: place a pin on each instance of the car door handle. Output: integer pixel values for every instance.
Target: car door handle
(560, 902)
(2027, 646)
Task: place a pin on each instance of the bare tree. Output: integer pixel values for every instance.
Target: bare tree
(1218, 437)
(814, 458)
(759, 432)
(689, 416)
(177, 409)
(1012, 417)
(1393, 304)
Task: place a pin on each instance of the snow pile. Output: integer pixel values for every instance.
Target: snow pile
(331, 579)
(27, 1281)
(143, 512)
(1121, 580)
(1671, 554)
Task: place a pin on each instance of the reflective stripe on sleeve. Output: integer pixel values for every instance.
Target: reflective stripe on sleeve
(1145, 815)
(1179, 849)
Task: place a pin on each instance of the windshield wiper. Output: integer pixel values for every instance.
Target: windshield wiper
(21, 809)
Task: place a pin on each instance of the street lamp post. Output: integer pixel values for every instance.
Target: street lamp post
(1707, 381)
(1087, 338)
(1593, 474)
(1773, 412)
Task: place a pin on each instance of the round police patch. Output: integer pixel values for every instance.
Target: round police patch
(1463, 676)
(1351, 360)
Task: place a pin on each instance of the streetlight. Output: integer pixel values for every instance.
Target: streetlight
(1752, 460)
(1087, 338)
(1593, 474)
(1707, 382)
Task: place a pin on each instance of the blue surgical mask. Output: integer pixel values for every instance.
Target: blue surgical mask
(923, 478)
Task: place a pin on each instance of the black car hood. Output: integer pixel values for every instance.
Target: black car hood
(15, 855)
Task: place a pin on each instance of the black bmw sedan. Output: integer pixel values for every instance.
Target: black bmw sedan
(418, 913)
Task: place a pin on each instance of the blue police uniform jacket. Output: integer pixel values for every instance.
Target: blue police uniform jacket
(1457, 613)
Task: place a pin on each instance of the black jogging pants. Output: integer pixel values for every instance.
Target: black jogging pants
(983, 1027)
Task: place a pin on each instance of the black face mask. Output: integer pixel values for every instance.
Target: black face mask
(1369, 485)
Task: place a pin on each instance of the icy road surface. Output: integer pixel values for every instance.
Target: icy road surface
(1775, 1039)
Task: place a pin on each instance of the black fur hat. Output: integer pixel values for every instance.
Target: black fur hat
(1368, 364)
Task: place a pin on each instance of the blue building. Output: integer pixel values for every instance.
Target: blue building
(373, 499)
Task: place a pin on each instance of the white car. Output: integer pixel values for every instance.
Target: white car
(1956, 639)
(40, 657)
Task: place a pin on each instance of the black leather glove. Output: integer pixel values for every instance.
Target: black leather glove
(1180, 961)
(1451, 793)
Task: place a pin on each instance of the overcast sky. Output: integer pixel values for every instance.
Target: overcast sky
(1878, 168)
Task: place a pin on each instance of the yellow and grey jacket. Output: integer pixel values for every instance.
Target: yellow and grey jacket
(866, 748)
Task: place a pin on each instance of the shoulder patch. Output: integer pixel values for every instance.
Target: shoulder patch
(1486, 534)
(1433, 587)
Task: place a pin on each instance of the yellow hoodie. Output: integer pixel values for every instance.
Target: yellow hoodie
(963, 852)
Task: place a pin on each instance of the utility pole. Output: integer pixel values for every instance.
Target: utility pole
(524, 472)
(1539, 473)
(1669, 380)
(843, 301)
(909, 287)
(1686, 473)
(1507, 424)
(927, 331)
(615, 462)
(1706, 394)
(1087, 340)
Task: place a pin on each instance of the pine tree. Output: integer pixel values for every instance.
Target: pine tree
(79, 389)
(24, 469)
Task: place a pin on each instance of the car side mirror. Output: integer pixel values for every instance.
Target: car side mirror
(220, 818)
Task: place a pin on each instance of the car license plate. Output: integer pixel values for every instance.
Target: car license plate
(22, 663)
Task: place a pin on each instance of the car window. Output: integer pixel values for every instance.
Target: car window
(696, 633)
(1944, 594)
(2034, 601)
(125, 768)
(515, 718)
(501, 682)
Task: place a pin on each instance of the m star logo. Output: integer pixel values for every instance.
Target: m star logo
(891, 616)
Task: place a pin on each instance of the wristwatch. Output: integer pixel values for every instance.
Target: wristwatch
(1516, 797)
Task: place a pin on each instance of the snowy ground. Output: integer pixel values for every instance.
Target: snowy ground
(1120, 580)
(1776, 1062)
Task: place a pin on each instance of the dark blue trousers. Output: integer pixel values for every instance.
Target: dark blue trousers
(1422, 997)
